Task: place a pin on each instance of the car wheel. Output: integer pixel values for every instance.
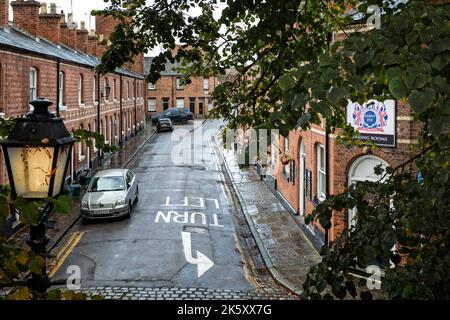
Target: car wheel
(137, 195)
(129, 211)
(184, 120)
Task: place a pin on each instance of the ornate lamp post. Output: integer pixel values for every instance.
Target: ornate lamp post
(37, 153)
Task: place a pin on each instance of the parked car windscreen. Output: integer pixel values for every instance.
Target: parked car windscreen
(111, 183)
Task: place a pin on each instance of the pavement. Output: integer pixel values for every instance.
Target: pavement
(286, 250)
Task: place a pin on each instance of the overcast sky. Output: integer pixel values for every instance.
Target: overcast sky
(81, 9)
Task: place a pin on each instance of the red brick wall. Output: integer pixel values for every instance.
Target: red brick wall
(15, 68)
(82, 40)
(26, 15)
(340, 162)
(165, 87)
(49, 27)
(4, 13)
(68, 36)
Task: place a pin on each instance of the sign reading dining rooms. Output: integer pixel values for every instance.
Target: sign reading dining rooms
(374, 120)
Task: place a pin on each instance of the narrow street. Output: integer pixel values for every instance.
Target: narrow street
(182, 238)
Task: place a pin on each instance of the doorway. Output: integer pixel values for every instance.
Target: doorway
(362, 170)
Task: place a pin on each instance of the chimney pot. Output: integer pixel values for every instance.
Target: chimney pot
(44, 8)
(82, 25)
(53, 8)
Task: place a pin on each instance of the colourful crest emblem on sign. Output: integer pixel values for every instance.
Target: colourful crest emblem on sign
(371, 116)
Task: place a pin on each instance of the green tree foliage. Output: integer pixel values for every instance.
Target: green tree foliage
(288, 78)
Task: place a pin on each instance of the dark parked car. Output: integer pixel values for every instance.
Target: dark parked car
(174, 114)
(164, 124)
(187, 112)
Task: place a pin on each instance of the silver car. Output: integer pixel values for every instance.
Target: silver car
(111, 193)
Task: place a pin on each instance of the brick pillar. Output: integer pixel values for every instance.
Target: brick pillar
(4, 13)
(26, 15)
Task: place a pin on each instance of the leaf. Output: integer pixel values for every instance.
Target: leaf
(337, 93)
(36, 264)
(322, 108)
(54, 294)
(63, 204)
(324, 60)
(397, 88)
(304, 119)
(440, 61)
(437, 126)
(421, 101)
(441, 85)
(20, 293)
(361, 59)
(299, 100)
(29, 211)
(286, 82)
(408, 291)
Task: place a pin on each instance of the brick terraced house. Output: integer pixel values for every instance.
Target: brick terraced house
(43, 55)
(169, 92)
(309, 177)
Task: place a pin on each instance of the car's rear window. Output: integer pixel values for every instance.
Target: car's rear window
(111, 183)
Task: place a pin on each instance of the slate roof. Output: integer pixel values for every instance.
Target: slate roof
(170, 68)
(17, 39)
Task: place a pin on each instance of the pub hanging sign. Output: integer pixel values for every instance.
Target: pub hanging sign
(374, 120)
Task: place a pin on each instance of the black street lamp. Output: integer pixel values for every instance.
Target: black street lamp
(37, 153)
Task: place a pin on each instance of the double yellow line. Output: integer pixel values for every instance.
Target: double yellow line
(65, 251)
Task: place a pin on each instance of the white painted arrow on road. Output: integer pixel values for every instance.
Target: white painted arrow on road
(203, 262)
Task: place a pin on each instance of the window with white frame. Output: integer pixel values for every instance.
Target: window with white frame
(286, 168)
(80, 151)
(151, 104)
(321, 174)
(206, 84)
(33, 83)
(113, 90)
(61, 88)
(94, 145)
(180, 85)
(180, 103)
(80, 89)
(94, 88)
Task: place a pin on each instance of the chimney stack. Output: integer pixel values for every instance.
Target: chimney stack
(82, 38)
(49, 24)
(92, 43)
(26, 15)
(4, 13)
(68, 32)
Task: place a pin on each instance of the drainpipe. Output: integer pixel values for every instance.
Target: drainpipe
(120, 104)
(327, 151)
(100, 154)
(135, 107)
(58, 70)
